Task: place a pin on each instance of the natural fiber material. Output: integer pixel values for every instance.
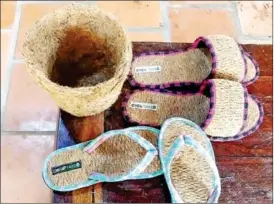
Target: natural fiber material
(253, 114)
(254, 119)
(180, 126)
(192, 107)
(253, 70)
(41, 45)
(214, 56)
(113, 157)
(228, 115)
(189, 169)
(191, 176)
(219, 107)
(153, 139)
(185, 66)
(230, 62)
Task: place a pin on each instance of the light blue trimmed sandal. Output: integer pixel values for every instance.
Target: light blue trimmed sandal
(188, 163)
(114, 156)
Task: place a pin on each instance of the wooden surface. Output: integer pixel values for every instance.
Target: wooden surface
(245, 166)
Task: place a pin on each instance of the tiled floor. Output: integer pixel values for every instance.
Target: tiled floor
(28, 113)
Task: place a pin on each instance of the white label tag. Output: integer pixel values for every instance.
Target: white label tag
(146, 106)
(147, 69)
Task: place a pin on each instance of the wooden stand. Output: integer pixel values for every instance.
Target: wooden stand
(245, 166)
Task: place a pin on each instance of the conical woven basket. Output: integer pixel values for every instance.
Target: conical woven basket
(41, 44)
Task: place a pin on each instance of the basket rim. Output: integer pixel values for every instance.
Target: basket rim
(126, 52)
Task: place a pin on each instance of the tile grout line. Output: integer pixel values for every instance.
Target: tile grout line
(202, 6)
(55, 2)
(13, 42)
(245, 39)
(164, 5)
(42, 2)
(236, 19)
(30, 133)
(6, 30)
(144, 29)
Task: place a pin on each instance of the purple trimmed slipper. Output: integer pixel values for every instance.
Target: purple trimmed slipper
(223, 108)
(215, 56)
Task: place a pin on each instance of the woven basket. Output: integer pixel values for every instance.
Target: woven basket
(41, 44)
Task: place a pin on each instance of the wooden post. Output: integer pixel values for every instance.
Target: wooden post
(85, 129)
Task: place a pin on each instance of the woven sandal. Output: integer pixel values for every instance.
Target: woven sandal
(254, 115)
(209, 57)
(113, 156)
(180, 126)
(190, 172)
(220, 108)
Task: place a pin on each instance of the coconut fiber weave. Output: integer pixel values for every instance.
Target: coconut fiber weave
(245, 165)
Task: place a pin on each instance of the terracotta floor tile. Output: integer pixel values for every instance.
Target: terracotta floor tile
(7, 13)
(22, 159)
(146, 36)
(134, 13)
(255, 17)
(198, 2)
(5, 50)
(30, 14)
(28, 107)
(187, 24)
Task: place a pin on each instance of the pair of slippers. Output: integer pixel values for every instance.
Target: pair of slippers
(221, 106)
(180, 150)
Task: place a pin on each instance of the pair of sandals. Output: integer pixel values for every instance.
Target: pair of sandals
(180, 150)
(205, 84)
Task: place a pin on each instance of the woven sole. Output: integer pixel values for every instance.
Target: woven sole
(190, 171)
(180, 68)
(255, 115)
(70, 168)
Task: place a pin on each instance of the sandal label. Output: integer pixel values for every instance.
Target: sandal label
(66, 167)
(147, 69)
(146, 106)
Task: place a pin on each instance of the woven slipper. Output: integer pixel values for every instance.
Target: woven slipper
(254, 118)
(209, 57)
(220, 108)
(190, 172)
(113, 156)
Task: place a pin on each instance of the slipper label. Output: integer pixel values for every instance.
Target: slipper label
(66, 167)
(146, 106)
(147, 69)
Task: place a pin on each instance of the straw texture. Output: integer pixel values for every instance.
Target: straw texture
(191, 66)
(215, 56)
(228, 115)
(192, 107)
(152, 138)
(253, 114)
(189, 169)
(39, 51)
(251, 70)
(115, 156)
(230, 62)
(191, 176)
(175, 128)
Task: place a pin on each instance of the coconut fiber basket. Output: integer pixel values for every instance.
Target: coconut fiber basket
(41, 44)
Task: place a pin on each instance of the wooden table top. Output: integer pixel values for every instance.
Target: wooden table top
(245, 165)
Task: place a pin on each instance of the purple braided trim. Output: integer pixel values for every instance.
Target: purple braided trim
(212, 51)
(256, 65)
(211, 85)
(207, 84)
(175, 84)
(248, 132)
(245, 62)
